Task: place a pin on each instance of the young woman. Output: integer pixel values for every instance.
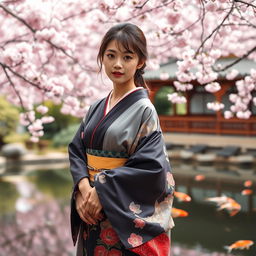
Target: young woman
(123, 186)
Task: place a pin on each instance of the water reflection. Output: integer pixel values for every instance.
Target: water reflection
(39, 221)
(204, 232)
(205, 226)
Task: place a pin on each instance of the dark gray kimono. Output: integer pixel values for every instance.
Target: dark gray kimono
(137, 197)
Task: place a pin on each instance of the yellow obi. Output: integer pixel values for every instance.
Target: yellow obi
(96, 163)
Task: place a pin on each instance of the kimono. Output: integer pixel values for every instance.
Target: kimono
(123, 154)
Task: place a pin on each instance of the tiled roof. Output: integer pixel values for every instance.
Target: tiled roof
(244, 67)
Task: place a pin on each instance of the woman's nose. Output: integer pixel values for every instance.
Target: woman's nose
(118, 63)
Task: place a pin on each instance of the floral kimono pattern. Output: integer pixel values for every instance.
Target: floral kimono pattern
(137, 196)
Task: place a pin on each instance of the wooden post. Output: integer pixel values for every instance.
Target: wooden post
(218, 96)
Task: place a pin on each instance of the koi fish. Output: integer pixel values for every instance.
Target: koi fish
(240, 244)
(179, 213)
(182, 196)
(199, 177)
(246, 192)
(224, 202)
(248, 183)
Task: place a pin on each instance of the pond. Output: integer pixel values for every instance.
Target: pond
(34, 212)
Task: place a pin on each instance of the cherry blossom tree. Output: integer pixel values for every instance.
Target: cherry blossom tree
(48, 49)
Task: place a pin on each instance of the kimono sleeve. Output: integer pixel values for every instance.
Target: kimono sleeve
(137, 198)
(77, 157)
(78, 169)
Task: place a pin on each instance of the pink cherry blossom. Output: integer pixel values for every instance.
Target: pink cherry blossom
(213, 87)
(135, 208)
(182, 86)
(34, 139)
(175, 98)
(164, 76)
(50, 54)
(47, 119)
(42, 109)
(135, 240)
(139, 223)
(232, 74)
(216, 106)
(228, 114)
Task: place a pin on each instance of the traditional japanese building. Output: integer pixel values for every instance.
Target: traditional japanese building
(194, 116)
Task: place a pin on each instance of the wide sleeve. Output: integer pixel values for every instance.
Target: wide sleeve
(77, 156)
(78, 169)
(137, 198)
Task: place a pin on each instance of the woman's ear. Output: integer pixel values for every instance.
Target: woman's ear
(140, 64)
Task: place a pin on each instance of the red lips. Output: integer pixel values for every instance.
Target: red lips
(117, 74)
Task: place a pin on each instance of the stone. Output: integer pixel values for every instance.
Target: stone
(13, 150)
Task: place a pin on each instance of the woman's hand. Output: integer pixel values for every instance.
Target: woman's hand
(88, 204)
(93, 205)
(81, 209)
(84, 187)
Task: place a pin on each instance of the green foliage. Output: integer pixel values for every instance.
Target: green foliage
(9, 116)
(181, 109)
(61, 120)
(16, 137)
(8, 197)
(162, 104)
(64, 137)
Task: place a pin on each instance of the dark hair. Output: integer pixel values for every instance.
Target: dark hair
(130, 37)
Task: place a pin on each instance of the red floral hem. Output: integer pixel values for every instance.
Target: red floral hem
(158, 246)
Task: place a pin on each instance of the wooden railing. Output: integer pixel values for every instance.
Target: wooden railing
(208, 124)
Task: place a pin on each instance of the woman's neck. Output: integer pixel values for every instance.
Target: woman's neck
(119, 91)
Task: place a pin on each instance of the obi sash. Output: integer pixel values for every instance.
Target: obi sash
(96, 164)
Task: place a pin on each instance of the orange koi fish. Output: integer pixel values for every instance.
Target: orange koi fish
(240, 244)
(246, 192)
(199, 177)
(231, 206)
(178, 213)
(224, 202)
(182, 196)
(248, 183)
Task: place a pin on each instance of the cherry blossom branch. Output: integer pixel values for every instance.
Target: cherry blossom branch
(214, 30)
(148, 11)
(22, 77)
(236, 61)
(202, 19)
(246, 3)
(141, 6)
(7, 10)
(14, 40)
(118, 6)
(48, 41)
(13, 86)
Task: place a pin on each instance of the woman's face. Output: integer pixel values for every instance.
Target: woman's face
(120, 65)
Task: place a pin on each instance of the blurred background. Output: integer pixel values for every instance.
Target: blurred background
(201, 75)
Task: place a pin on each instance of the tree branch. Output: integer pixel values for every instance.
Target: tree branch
(18, 18)
(150, 10)
(22, 77)
(249, 4)
(214, 30)
(48, 41)
(13, 86)
(236, 61)
(141, 6)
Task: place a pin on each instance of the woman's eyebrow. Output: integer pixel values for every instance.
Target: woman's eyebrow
(114, 51)
(110, 50)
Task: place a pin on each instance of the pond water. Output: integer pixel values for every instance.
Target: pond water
(34, 212)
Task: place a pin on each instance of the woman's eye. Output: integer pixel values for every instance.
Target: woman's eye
(110, 56)
(127, 57)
